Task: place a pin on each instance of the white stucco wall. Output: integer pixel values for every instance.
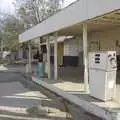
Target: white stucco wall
(72, 47)
(107, 39)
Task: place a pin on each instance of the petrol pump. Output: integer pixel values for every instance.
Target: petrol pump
(102, 74)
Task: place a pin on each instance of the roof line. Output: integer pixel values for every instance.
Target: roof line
(53, 14)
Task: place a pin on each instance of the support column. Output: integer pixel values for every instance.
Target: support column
(39, 46)
(48, 58)
(55, 58)
(29, 57)
(85, 56)
(2, 48)
(1, 45)
(80, 52)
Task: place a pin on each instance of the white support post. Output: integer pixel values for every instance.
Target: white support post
(55, 58)
(29, 58)
(39, 46)
(2, 48)
(85, 56)
(48, 58)
(80, 50)
(1, 45)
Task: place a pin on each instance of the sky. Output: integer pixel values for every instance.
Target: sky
(6, 5)
(67, 2)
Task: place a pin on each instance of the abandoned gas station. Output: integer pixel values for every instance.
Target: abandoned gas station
(94, 25)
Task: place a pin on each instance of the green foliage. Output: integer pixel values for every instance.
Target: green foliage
(10, 32)
(28, 14)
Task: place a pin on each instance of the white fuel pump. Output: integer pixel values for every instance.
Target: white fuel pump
(102, 74)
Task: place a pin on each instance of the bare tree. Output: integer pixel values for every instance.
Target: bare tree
(32, 12)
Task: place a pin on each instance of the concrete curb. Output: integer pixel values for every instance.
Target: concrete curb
(80, 103)
(87, 106)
